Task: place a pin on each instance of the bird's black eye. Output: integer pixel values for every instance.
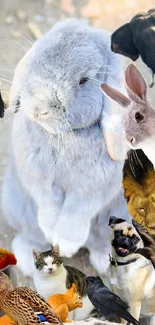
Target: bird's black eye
(83, 81)
(139, 117)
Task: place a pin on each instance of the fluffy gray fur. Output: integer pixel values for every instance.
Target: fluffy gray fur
(60, 175)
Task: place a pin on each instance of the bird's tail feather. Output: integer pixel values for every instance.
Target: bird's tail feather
(130, 319)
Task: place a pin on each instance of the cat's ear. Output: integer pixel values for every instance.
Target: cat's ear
(36, 254)
(115, 95)
(135, 83)
(56, 250)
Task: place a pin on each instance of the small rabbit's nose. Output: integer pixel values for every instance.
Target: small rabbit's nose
(131, 139)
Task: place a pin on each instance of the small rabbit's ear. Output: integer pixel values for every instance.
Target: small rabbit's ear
(115, 95)
(135, 83)
(114, 136)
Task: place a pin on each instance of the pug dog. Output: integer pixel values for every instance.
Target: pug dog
(130, 275)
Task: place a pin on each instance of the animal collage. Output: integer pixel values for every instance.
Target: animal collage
(81, 174)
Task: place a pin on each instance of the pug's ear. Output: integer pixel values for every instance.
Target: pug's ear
(113, 221)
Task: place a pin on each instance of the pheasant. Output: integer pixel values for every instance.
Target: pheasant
(24, 305)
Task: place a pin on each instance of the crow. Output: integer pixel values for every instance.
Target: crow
(2, 107)
(137, 38)
(106, 301)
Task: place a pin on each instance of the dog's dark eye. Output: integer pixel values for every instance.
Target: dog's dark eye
(135, 240)
(83, 81)
(139, 117)
(118, 233)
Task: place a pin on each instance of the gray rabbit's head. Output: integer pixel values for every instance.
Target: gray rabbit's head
(54, 79)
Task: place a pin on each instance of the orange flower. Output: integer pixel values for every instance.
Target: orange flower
(6, 258)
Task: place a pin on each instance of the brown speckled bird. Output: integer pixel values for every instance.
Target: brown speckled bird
(21, 304)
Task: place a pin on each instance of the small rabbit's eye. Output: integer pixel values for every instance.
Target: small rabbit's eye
(139, 117)
(83, 81)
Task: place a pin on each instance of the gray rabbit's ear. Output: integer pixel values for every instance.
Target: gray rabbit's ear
(135, 83)
(115, 95)
(114, 137)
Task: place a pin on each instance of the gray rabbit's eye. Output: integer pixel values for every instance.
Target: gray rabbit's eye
(139, 117)
(83, 81)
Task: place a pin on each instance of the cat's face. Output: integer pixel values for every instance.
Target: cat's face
(47, 262)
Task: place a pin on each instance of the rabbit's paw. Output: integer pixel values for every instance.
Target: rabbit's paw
(23, 252)
(67, 247)
(99, 261)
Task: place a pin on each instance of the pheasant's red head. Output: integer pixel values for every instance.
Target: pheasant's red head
(6, 258)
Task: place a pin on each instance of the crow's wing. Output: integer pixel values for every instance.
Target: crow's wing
(105, 296)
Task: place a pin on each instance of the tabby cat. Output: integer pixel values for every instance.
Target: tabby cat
(51, 277)
(139, 187)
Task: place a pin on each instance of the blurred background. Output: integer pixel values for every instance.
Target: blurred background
(24, 21)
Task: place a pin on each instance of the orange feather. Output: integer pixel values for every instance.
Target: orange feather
(6, 258)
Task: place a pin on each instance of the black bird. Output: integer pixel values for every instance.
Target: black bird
(137, 38)
(2, 106)
(106, 301)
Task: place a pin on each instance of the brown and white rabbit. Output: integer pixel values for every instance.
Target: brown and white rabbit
(139, 116)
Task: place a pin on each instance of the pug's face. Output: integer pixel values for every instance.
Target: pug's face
(125, 238)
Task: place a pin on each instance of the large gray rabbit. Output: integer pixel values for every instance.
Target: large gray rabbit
(61, 184)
